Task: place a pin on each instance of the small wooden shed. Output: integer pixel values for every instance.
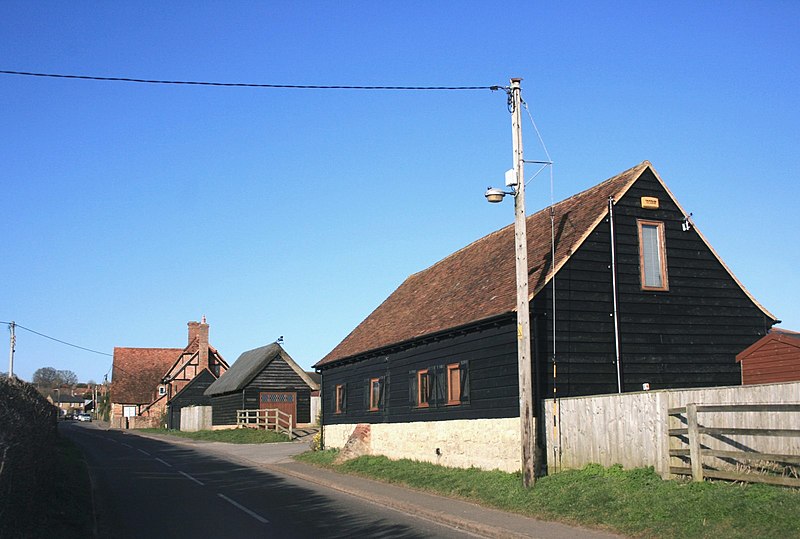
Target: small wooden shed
(265, 377)
(773, 358)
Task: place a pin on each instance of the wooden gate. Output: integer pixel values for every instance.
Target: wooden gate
(284, 401)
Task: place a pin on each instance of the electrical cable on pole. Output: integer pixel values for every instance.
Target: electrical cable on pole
(59, 340)
(244, 84)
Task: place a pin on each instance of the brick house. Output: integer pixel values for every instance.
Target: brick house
(145, 380)
(65, 401)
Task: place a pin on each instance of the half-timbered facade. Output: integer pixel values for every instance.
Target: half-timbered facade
(433, 369)
(145, 381)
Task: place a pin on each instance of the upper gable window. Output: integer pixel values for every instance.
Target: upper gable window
(652, 255)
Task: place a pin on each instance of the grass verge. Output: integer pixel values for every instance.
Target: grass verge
(231, 436)
(633, 502)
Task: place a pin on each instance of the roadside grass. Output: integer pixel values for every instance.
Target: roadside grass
(231, 436)
(632, 502)
(66, 505)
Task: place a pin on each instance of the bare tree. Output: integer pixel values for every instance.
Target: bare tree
(67, 378)
(48, 377)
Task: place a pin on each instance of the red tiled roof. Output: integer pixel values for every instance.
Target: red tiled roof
(478, 281)
(138, 371)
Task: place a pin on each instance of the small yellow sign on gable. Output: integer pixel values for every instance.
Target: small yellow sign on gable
(650, 203)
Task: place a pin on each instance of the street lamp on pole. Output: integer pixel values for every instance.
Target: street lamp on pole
(517, 182)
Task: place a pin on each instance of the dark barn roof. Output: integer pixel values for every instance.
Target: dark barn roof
(477, 282)
(249, 365)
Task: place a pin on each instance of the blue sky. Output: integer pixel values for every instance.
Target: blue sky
(131, 209)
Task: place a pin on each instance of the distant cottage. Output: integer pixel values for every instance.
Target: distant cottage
(433, 370)
(153, 384)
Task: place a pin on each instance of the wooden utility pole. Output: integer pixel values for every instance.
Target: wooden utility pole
(526, 416)
(11, 326)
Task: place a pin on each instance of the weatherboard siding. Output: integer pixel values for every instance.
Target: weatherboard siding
(190, 395)
(687, 336)
(276, 376)
(279, 376)
(223, 408)
(491, 355)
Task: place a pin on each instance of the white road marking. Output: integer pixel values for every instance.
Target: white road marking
(190, 477)
(245, 509)
(143, 451)
(126, 445)
(164, 462)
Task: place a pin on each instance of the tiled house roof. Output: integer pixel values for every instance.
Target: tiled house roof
(478, 282)
(138, 371)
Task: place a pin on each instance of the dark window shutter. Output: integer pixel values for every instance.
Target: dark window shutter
(412, 388)
(367, 391)
(384, 400)
(440, 385)
(463, 368)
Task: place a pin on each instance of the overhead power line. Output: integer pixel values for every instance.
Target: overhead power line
(245, 84)
(60, 341)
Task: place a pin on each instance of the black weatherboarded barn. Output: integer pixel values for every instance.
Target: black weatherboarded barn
(443, 345)
(265, 377)
(192, 394)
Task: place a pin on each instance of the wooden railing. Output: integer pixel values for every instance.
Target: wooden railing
(761, 467)
(268, 418)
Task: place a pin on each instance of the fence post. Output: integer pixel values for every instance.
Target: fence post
(662, 458)
(694, 442)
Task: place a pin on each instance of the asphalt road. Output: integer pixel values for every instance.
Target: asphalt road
(145, 487)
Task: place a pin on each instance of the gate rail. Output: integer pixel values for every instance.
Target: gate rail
(267, 418)
(692, 435)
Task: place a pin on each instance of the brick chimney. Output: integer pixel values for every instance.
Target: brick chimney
(194, 331)
(202, 345)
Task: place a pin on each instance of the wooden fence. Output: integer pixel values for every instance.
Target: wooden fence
(632, 429)
(195, 418)
(735, 460)
(268, 418)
